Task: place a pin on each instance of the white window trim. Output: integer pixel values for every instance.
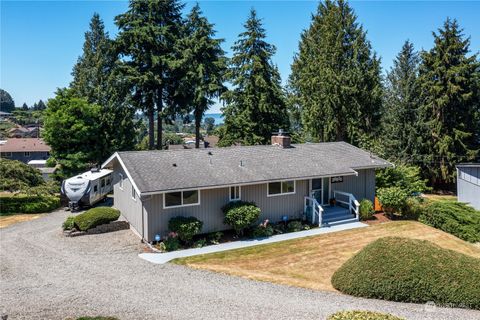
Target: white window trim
(182, 205)
(120, 183)
(282, 193)
(27, 154)
(239, 193)
(133, 194)
(7, 154)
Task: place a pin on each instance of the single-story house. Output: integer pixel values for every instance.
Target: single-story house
(41, 165)
(468, 184)
(25, 149)
(286, 181)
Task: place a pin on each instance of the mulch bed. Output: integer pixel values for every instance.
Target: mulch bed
(378, 218)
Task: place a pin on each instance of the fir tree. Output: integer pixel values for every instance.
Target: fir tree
(449, 82)
(205, 63)
(96, 79)
(25, 106)
(401, 104)
(41, 105)
(149, 41)
(255, 105)
(6, 102)
(336, 77)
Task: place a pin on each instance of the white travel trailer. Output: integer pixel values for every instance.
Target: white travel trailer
(87, 188)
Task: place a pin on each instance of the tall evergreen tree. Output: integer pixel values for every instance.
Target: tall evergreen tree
(96, 79)
(6, 102)
(206, 64)
(449, 82)
(401, 106)
(41, 105)
(337, 77)
(255, 105)
(149, 37)
(25, 106)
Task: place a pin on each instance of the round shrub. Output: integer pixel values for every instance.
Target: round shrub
(362, 315)
(407, 270)
(263, 230)
(95, 217)
(240, 215)
(366, 209)
(413, 208)
(185, 227)
(294, 226)
(172, 243)
(393, 199)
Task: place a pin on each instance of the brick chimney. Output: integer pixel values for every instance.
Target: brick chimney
(281, 139)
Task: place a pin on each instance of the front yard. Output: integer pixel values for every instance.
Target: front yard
(311, 262)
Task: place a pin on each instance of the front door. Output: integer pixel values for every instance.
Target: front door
(321, 190)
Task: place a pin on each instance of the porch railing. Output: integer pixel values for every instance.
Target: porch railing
(317, 210)
(352, 204)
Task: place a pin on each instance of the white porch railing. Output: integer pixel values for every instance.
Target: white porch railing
(352, 204)
(317, 209)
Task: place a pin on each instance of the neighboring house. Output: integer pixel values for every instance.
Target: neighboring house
(25, 149)
(24, 132)
(41, 165)
(285, 181)
(5, 115)
(468, 184)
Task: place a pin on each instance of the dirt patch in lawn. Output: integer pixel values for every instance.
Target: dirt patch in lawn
(310, 262)
(5, 221)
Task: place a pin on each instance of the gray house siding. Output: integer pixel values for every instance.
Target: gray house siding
(20, 156)
(212, 200)
(156, 217)
(361, 186)
(131, 210)
(468, 185)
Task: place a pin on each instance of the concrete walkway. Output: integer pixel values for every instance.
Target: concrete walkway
(160, 258)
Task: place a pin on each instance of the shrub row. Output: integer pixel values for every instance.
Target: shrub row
(408, 270)
(94, 217)
(453, 217)
(362, 315)
(15, 203)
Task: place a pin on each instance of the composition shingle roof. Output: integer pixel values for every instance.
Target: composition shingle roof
(25, 145)
(157, 171)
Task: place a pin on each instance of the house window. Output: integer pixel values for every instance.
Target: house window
(181, 199)
(103, 183)
(7, 154)
(108, 181)
(26, 154)
(134, 194)
(280, 188)
(235, 194)
(120, 182)
(95, 188)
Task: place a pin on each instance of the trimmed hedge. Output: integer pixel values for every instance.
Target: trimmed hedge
(362, 315)
(95, 217)
(19, 203)
(453, 217)
(407, 270)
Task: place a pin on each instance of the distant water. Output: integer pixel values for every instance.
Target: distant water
(217, 116)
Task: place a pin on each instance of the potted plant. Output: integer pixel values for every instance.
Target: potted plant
(333, 202)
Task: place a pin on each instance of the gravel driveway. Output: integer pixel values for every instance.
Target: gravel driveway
(47, 276)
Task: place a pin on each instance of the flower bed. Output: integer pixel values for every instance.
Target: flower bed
(172, 241)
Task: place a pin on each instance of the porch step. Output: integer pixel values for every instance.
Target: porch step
(338, 222)
(337, 217)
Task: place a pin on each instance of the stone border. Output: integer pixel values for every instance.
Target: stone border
(104, 228)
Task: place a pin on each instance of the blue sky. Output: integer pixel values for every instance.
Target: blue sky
(40, 41)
